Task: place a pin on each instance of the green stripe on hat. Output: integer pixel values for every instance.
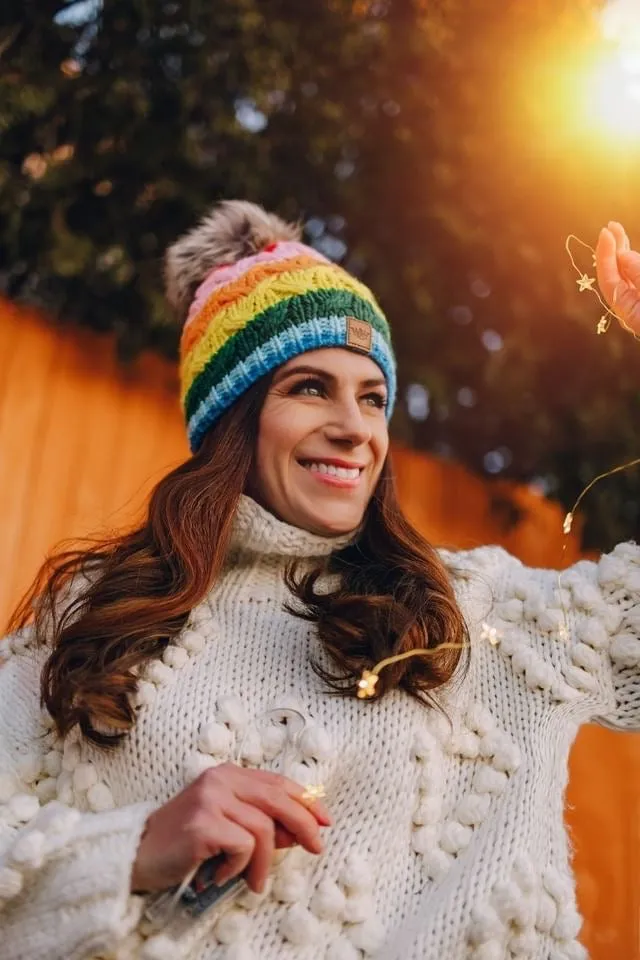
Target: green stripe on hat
(264, 326)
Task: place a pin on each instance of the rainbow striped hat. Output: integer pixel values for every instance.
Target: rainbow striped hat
(253, 314)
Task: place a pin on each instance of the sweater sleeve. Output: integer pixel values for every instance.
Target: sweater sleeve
(605, 597)
(64, 873)
(572, 635)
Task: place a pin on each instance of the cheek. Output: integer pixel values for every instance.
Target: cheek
(380, 444)
(277, 439)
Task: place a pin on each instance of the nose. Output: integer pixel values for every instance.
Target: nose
(347, 425)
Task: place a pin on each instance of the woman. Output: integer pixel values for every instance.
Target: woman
(207, 677)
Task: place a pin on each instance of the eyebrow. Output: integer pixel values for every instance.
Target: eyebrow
(325, 375)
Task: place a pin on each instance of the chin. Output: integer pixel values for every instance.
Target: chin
(334, 523)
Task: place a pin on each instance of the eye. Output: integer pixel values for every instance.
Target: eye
(377, 399)
(311, 387)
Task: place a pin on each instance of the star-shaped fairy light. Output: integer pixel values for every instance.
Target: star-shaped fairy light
(603, 324)
(313, 792)
(492, 634)
(568, 521)
(585, 282)
(367, 684)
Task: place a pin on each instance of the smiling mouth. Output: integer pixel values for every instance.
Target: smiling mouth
(331, 470)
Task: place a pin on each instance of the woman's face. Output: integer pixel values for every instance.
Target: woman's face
(322, 440)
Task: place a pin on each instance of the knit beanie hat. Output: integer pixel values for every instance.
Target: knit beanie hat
(251, 297)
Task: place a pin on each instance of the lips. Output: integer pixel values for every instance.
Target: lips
(333, 469)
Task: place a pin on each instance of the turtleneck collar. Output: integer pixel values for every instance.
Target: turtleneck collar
(257, 531)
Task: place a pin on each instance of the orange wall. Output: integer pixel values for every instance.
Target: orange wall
(81, 444)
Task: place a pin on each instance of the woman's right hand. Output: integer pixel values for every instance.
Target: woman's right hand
(244, 814)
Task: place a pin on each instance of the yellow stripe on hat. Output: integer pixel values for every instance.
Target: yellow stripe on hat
(224, 323)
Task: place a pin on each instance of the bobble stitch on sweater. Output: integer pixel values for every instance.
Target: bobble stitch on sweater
(473, 809)
(368, 936)
(233, 926)
(64, 786)
(488, 780)
(485, 926)
(196, 764)
(161, 947)
(569, 951)
(144, 695)
(513, 904)
(30, 767)
(70, 755)
(612, 570)
(53, 763)
(568, 924)
(192, 641)
(273, 741)
(625, 650)
(503, 753)
(100, 798)
(524, 944)
(479, 718)
(512, 611)
(28, 851)
(175, 657)
(232, 713)
(546, 912)
(328, 901)
(464, 743)
(251, 752)
(289, 886)
(342, 949)
(426, 838)
(84, 777)
(455, 837)
(239, 951)
(215, 739)
(429, 811)
(427, 751)
(356, 875)
(299, 926)
(11, 883)
(315, 744)
(157, 672)
(359, 909)
(46, 790)
(492, 950)
(23, 807)
(437, 862)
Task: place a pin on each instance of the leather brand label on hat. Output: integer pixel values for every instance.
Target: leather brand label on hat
(359, 334)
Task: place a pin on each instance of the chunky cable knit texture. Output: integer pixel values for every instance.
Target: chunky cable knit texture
(448, 839)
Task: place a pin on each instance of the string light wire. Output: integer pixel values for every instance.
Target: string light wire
(366, 685)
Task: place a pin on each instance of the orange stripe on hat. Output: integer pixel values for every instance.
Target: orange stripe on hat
(235, 290)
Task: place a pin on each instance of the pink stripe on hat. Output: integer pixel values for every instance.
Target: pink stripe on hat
(221, 275)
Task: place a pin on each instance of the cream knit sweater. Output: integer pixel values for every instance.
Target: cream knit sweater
(448, 842)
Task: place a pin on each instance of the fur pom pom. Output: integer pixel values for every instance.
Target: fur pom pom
(232, 230)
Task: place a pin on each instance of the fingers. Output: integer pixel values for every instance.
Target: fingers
(262, 829)
(238, 846)
(283, 800)
(629, 262)
(607, 270)
(622, 295)
(620, 235)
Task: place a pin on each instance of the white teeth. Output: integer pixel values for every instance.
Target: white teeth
(345, 473)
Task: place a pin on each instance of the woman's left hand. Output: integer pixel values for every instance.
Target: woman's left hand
(618, 270)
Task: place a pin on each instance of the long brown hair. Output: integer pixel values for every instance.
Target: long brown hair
(111, 606)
